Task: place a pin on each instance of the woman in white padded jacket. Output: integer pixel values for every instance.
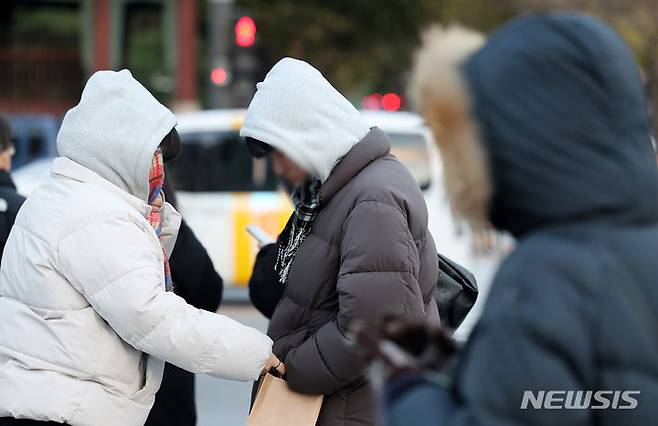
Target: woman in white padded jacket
(86, 318)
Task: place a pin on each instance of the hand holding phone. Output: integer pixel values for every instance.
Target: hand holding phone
(262, 237)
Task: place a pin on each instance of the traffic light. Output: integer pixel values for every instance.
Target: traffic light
(245, 32)
(243, 59)
(372, 101)
(391, 102)
(234, 65)
(219, 76)
(377, 101)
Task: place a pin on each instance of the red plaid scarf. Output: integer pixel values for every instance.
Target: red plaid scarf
(156, 179)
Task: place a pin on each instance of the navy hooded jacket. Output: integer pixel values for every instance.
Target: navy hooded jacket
(563, 118)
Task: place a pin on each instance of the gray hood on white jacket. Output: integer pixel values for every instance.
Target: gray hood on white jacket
(297, 111)
(115, 129)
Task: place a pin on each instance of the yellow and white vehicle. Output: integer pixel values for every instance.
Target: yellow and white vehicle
(221, 189)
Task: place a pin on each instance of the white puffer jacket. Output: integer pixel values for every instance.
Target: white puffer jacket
(82, 299)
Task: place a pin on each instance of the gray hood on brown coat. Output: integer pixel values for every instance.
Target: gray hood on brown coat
(369, 255)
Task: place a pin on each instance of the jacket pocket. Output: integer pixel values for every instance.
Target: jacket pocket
(97, 352)
(152, 378)
(74, 341)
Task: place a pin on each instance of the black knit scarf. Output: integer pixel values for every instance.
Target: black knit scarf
(306, 199)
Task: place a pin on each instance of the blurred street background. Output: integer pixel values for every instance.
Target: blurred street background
(222, 402)
(203, 58)
(210, 53)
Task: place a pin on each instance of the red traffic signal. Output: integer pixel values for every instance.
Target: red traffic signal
(372, 101)
(245, 32)
(219, 76)
(387, 102)
(391, 102)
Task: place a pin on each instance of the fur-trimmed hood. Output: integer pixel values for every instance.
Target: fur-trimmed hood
(544, 124)
(440, 93)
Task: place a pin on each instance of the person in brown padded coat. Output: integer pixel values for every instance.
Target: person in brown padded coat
(357, 245)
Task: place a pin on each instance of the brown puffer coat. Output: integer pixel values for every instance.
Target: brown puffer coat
(369, 255)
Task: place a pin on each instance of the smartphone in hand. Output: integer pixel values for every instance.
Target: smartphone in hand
(262, 237)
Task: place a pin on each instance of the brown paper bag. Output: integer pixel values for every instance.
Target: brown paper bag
(277, 405)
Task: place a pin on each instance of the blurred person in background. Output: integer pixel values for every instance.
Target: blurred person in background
(195, 280)
(10, 200)
(357, 245)
(544, 133)
(87, 311)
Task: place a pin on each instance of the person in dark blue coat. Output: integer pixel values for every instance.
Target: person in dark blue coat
(545, 133)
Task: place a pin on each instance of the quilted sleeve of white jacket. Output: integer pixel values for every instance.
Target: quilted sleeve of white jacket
(114, 263)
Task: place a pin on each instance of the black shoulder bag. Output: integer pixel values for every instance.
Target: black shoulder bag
(456, 293)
